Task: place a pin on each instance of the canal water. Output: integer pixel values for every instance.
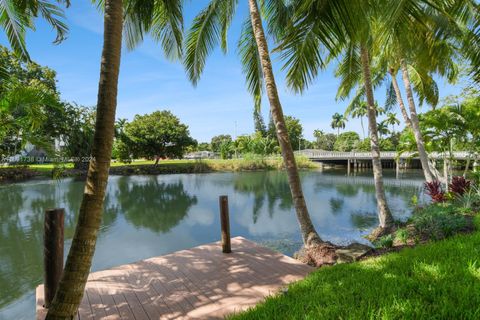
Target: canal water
(148, 216)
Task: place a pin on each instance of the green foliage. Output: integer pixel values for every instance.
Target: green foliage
(158, 134)
(217, 141)
(338, 122)
(295, 131)
(402, 235)
(438, 221)
(324, 141)
(384, 242)
(347, 141)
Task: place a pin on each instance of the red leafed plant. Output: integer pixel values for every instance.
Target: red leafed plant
(434, 190)
(459, 185)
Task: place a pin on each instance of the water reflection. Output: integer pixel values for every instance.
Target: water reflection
(146, 216)
(158, 206)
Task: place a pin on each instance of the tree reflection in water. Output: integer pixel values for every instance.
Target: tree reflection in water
(152, 204)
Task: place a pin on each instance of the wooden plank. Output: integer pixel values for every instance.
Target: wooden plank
(201, 282)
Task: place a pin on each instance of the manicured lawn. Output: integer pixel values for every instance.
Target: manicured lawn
(439, 280)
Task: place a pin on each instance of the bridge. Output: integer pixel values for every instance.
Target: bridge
(322, 155)
(389, 159)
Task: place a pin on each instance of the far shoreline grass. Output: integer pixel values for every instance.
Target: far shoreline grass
(439, 280)
(148, 167)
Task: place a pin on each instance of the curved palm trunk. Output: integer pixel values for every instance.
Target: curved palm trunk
(77, 267)
(398, 93)
(422, 153)
(384, 214)
(309, 234)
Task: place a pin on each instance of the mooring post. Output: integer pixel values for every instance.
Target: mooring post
(53, 252)
(225, 224)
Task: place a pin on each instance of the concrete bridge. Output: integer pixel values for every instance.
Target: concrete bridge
(390, 159)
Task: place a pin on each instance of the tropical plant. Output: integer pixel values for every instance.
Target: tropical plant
(391, 120)
(163, 19)
(435, 191)
(324, 141)
(459, 185)
(338, 122)
(347, 141)
(210, 28)
(359, 110)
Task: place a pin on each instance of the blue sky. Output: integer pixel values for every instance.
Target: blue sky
(149, 82)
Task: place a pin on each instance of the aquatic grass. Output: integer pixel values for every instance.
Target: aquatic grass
(437, 280)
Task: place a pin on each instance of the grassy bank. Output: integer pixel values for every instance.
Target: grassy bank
(439, 280)
(250, 163)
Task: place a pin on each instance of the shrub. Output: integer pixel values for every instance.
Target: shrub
(438, 222)
(384, 242)
(402, 235)
(459, 185)
(434, 190)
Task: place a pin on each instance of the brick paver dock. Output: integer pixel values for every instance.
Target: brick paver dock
(198, 283)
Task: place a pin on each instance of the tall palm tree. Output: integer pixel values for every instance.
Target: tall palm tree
(359, 110)
(343, 29)
(338, 122)
(392, 120)
(163, 19)
(209, 28)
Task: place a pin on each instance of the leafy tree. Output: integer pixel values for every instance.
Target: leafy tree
(359, 110)
(295, 131)
(217, 141)
(157, 135)
(204, 146)
(347, 141)
(338, 122)
(77, 133)
(324, 141)
(259, 123)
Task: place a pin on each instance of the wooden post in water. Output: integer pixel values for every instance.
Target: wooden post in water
(53, 252)
(225, 224)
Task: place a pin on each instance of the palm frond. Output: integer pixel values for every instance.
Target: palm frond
(251, 64)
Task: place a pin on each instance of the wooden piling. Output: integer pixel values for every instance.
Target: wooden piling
(53, 251)
(225, 224)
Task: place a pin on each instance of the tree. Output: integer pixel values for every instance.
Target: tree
(157, 135)
(210, 28)
(164, 20)
(359, 111)
(347, 141)
(338, 122)
(295, 131)
(18, 16)
(391, 120)
(258, 122)
(324, 141)
(217, 141)
(77, 134)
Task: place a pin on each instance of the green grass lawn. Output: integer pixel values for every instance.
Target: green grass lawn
(439, 280)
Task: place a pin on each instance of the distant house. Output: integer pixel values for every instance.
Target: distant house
(201, 155)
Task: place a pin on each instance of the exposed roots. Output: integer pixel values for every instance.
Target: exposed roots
(318, 254)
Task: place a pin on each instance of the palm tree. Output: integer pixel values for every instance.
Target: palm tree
(338, 122)
(210, 28)
(392, 120)
(382, 128)
(164, 20)
(18, 16)
(359, 111)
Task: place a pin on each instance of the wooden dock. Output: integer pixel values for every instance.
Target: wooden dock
(198, 283)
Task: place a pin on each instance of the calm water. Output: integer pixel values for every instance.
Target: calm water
(147, 216)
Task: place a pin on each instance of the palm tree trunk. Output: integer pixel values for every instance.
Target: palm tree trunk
(384, 214)
(398, 93)
(309, 234)
(363, 128)
(422, 153)
(77, 267)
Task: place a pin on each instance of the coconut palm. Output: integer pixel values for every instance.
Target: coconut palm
(359, 111)
(210, 28)
(16, 17)
(391, 120)
(338, 122)
(163, 19)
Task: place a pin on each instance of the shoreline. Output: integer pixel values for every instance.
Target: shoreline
(16, 174)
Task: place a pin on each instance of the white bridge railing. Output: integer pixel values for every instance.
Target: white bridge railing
(388, 155)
